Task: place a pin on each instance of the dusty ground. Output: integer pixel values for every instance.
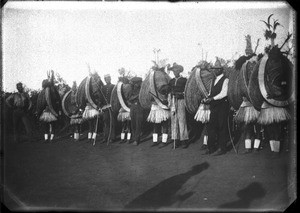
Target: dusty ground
(68, 175)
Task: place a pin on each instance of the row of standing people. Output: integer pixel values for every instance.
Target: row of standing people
(132, 124)
(173, 109)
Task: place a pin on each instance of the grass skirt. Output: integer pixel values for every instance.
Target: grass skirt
(89, 113)
(247, 114)
(203, 113)
(273, 114)
(47, 116)
(123, 115)
(158, 114)
(76, 119)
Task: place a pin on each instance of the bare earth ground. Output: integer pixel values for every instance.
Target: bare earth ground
(69, 175)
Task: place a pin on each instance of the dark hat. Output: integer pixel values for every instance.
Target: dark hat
(176, 67)
(136, 80)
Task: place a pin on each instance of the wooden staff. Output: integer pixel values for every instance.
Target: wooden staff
(231, 136)
(96, 129)
(110, 125)
(175, 126)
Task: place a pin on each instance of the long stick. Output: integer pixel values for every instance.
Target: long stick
(175, 126)
(174, 143)
(230, 136)
(96, 129)
(110, 125)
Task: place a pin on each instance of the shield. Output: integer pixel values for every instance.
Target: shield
(80, 95)
(275, 79)
(244, 77)
(93, 91)
(48, 97)
(271, 81)
(144, 96)
(41, 102)
(255, 95)
(234, 94)
(119, 97)
(154, 81)
(197, 88)
(69, 104)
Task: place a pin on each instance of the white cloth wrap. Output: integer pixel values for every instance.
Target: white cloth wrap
(202, 114)
(123, 115)
(89, 113)
(158, 114)
(47, 116)
(271, 114)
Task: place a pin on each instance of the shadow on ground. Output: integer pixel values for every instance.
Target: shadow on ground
(247, 195)
(164, 193)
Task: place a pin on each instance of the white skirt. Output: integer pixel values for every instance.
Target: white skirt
(158, 114)
(203, 113)
(123, 115)
(89, 113)
(247, 114)
(76, 119)
(47, 116)
(273, 115)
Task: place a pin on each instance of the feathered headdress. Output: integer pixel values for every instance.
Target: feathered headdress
(74, 86)
(248, 49)
(160, 64)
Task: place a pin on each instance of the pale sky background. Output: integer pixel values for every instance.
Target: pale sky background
(64, 36)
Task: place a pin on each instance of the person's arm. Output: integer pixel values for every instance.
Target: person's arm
(8, 100)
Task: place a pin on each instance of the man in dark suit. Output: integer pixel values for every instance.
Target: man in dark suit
(217, 99)
(107, 90)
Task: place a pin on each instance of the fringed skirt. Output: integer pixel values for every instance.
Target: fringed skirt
(246, 114)
(76, 119)
(89, 113)
(123, 115)
(203, 113)
(271, 114)
(158, 114)
(47, 116)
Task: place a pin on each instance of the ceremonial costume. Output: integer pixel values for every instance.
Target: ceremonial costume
(159, 113)
(48, 106)
(247, 114)
(72, 110)
(123, 94)
(272, 118)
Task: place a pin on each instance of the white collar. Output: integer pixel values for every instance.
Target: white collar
(218, 78)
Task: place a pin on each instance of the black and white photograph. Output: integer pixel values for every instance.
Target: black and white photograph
(155, 106)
